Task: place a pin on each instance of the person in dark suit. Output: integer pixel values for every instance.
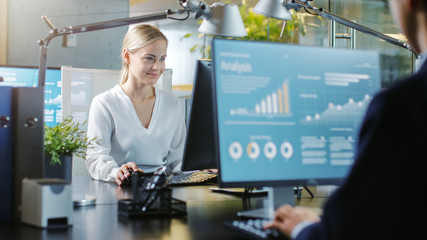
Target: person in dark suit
(385, 193)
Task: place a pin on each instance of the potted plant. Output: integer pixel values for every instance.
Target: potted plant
(61, 142)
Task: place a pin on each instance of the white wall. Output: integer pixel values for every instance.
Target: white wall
(179, 58)
(99, 49)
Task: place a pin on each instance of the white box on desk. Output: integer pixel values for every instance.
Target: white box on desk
(46, 202)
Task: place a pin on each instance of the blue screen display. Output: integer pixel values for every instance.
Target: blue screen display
(289, 112)
(20, 76)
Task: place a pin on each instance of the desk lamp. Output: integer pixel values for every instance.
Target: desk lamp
(222, 14)
(219, 19)
(306, 5)
(274, 9)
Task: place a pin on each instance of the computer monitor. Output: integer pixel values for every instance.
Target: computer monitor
(27, 76)
(199, 151)
(288, 115)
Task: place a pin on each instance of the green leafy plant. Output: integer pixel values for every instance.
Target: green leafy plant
(204, 49)
(66, 138)
(260, 28)
(256, 26)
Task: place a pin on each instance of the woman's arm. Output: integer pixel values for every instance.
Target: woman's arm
(174, 157)
(100, 164)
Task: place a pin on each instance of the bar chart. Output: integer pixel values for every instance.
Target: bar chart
(274, 104)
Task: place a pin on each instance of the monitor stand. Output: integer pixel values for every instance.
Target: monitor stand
(240, 193)
(276, 197)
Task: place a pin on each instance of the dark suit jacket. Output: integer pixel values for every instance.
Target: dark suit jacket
(385, 194)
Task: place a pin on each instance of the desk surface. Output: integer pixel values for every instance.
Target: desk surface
(206, 213)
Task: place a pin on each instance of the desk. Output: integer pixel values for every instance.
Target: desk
(206, 212)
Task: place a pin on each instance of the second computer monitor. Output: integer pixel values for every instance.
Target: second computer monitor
(27, 76)
(199, 150)
(288, 115)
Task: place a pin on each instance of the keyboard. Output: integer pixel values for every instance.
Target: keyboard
(193, 178)
(253, 229)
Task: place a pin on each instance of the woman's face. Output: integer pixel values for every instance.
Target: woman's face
(147, 64)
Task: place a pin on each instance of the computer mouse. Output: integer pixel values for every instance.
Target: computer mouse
(128, 180)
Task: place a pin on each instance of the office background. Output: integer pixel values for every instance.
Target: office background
(21, 27)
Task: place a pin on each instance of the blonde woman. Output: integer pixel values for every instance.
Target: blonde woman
(140, 127)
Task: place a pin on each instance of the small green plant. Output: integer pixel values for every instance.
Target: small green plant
(66, 138)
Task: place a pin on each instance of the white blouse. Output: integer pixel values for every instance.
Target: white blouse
(122, 138)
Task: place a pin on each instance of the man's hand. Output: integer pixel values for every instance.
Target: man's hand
(287, 217)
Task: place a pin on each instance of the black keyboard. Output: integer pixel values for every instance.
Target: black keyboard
(193, 178)
(253, 228)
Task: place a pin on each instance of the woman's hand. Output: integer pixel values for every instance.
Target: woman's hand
(123, 172)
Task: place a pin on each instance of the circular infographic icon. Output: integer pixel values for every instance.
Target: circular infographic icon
(235, 150)
(270, 150)
(253, 150)
(286, 150)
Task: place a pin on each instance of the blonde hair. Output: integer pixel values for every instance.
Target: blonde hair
(136, 38)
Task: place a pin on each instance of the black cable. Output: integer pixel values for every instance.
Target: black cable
(181, 3)
(314, 14)
(309, 192)
(246, 200)
(247, 192)
(181, 19)
(306, 2)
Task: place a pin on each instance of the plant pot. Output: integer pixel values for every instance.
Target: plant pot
(61, 171)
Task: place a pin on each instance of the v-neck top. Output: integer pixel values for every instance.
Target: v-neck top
(123, 138)
(130, 105)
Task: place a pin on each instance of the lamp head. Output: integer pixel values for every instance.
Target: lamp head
(225, 21)
(291, 4)
(218, 19)
(200, 8)
(278, 8)
(273, 8)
